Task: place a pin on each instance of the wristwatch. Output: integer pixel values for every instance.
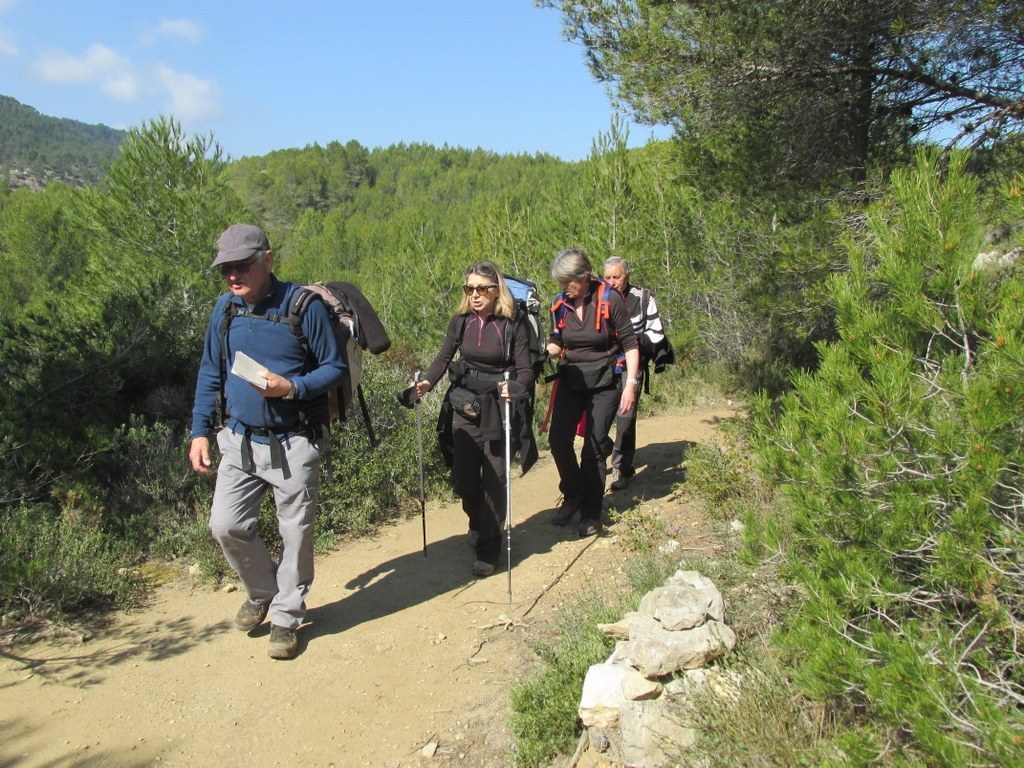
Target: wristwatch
(291, 391)
(633, 381)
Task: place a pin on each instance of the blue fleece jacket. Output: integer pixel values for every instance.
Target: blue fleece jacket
(273, 345)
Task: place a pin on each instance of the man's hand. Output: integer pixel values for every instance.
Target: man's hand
(199, 455)
(277, 386)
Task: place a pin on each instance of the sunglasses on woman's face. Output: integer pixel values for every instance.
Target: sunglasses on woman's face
(469, 290)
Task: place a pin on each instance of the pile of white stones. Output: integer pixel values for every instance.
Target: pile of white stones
(630, 703)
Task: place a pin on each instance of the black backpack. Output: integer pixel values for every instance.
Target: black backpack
(357, 327)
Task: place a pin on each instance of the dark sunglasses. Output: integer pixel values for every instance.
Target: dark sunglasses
(241, 267)
(469, 290)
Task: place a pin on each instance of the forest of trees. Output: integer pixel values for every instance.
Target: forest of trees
(35, 148)
(811, 243)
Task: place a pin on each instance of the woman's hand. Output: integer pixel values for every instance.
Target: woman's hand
(510, 389)
(422, 387)
(628, 397)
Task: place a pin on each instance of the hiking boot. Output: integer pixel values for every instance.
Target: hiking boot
(589, 528)
(565, 513)
(250, 616)
(619, 480)
(284, 643)
(482, 568)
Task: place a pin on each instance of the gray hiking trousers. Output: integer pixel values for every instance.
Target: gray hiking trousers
(236, 508)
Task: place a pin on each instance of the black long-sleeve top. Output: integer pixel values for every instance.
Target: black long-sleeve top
(482, 347)
(582, 341)
(481, 344)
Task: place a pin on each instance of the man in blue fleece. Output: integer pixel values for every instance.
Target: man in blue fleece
(275, 433)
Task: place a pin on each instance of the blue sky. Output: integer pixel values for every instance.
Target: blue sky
(261, 76)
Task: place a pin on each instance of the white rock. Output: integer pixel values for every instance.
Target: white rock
(602, 695)
(618, 631)
(653, 734)
(659, 652)
(683, 606)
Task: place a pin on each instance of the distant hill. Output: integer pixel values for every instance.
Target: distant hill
(36, 149)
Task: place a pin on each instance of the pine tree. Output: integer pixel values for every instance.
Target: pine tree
(901, 459)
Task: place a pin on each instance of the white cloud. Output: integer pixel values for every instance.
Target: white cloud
(115, 75)
(7, 45)
(186, 96)
(183, 28)
(180, 29)
(191, 97)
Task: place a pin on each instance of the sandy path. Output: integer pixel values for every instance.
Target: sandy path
(400, 650)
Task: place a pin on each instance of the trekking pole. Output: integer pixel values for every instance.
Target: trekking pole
(508, 484)
(419, 442)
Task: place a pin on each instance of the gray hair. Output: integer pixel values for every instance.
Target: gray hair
(571, 264)
(613, 261)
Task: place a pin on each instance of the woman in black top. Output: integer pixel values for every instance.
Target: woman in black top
(488, 342)
(598, 369)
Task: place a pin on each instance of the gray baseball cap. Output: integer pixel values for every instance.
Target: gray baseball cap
(239, 242)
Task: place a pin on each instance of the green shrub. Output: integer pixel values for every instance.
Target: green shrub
(638, 527)
(756, 717)
(900, 463)
(55, 564)
(368, 486)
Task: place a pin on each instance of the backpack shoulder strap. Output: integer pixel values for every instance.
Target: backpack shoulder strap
(604, 305)
(558, 309)
(297, 306)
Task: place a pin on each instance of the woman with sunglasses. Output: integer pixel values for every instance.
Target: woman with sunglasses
(482, 343)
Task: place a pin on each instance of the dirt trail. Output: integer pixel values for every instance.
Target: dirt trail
(400, 650)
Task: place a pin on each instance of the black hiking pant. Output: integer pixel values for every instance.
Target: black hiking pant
(581, 481)
(478, 473)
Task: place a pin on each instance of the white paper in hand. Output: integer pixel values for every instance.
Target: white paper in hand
(249, 370)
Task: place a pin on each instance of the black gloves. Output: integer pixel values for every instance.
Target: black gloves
(407, 397)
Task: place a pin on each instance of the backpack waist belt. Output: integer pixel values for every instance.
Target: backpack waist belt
(472, 373)
(276, 449)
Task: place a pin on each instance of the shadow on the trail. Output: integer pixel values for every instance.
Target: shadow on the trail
(22, 742)
(660, 469)
(411, 578)
(81, 666)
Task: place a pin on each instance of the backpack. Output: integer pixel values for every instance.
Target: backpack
(356, 327)
(660, 354)
(527, 302)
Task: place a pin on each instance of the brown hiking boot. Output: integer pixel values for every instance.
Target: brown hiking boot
(565, 513)
(619, 480)
(284, 643)
(250, 616)
(482, 569)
